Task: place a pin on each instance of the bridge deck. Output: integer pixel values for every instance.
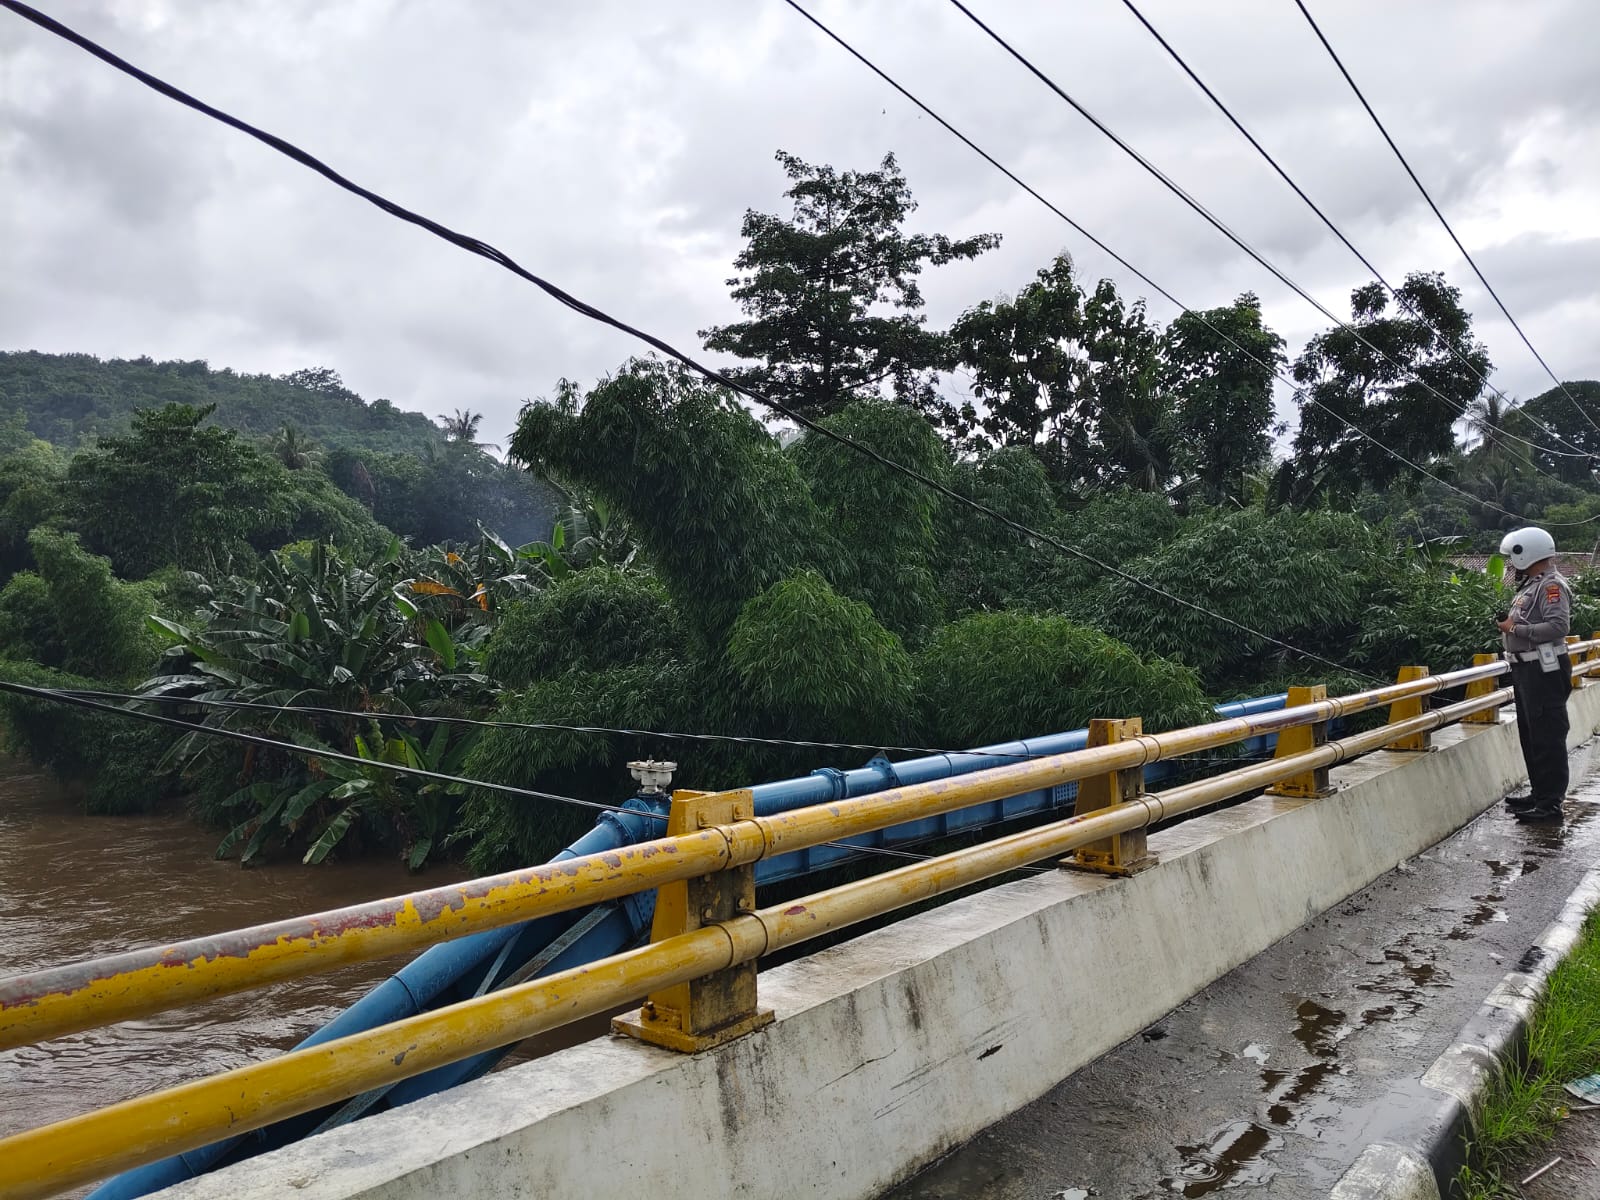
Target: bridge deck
(1276, 1077)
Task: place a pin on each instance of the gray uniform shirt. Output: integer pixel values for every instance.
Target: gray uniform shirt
(1542, 612)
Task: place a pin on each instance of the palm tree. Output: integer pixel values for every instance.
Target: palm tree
(463, 428)
(1487, 419)
(293, 448)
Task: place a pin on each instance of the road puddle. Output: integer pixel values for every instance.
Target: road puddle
(1235, 1157)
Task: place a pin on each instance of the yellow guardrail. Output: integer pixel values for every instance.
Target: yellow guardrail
(714, 944)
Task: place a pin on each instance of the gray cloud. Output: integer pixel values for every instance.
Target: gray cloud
(615, 146)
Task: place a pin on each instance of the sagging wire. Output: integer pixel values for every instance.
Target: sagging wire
(1266, 155)
(483, 249)
(86, 701)
(1221, 227)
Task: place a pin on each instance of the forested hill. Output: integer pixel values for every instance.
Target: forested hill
(70, 400)
(425, 482)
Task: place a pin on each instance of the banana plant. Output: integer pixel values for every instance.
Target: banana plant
(314, 630)
(337, 797)
(589, 533)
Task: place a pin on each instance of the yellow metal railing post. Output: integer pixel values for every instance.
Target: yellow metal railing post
(1482, 687)
(1123, 853)
(721, 1006)
(1311, 784)
(1404, 710)
(1573, 660)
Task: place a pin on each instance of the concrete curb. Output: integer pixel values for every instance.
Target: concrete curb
(1420, 1160)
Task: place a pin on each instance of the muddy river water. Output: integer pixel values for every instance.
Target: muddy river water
(74, 886)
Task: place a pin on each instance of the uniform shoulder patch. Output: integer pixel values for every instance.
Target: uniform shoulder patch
(1552, 593)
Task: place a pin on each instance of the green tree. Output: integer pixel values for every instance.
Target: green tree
(993, 677)
(294, 449)
(719, 510)
(74, 615)
(31, 495)
(177, 491)
(832, 292)
(591, 621)
(1030, 371)
(1563, 422)
(1303, 578)
(174, 490)
(883, 519)
(1220, 367)
(1391, 397)
(815, 664)
(462, 427)
(1076, 376)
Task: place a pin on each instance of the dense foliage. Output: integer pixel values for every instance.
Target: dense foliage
(286, 438)
(661, 561)
(71, 400)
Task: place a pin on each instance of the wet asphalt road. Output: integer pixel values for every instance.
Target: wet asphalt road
(1273, 1080)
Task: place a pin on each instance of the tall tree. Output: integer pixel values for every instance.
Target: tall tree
(1073, 375)
(1553, 419)
(172, 491)
(832, 294)
(462, 427)
(1390, 397)
(1219, 366)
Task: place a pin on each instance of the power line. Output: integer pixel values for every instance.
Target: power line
(1448, 344)
(1221, 227)
(83, 699)
(533, 726)
(483, 249)
(1146, 278)
(1178, 190)
(1216, 222)
(59, 696)
(1471, 262)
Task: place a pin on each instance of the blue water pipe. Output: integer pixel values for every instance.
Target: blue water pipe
(457, 970)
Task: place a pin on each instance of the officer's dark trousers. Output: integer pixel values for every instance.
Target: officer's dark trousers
(1541, 698)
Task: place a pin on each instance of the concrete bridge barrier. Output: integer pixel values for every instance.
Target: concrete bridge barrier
(900, 1044)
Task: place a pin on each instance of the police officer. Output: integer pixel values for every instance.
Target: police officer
(1534, 633)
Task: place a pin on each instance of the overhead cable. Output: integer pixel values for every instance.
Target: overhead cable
(60, 696)
(1227, 231)
(475, 246)
(534, 726)
(1471, 262)
(84, 700)
(1266, 155)
(1151, 283)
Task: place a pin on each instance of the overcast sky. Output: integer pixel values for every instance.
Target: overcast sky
(614, 145)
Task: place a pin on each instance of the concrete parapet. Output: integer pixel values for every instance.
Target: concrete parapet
(900, 1044)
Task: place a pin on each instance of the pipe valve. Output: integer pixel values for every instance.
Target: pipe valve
(653, 776)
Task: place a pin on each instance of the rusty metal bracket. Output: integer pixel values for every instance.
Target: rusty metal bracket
(1313, 784)
(1124, 853)
(1483, 687)
(706, 1012)
(1411, 706)
(1573, 660)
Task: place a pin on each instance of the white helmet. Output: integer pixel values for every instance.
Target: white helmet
(1524, 547)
